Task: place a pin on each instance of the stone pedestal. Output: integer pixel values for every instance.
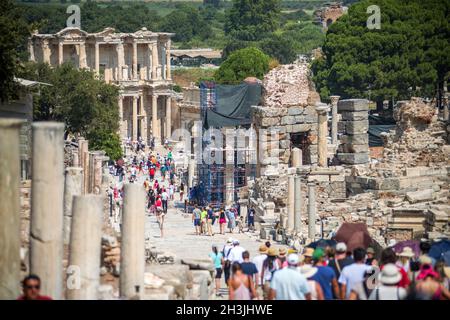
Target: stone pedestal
(47, 194)
(311, 210)
(291, 203)
(132, 254)
(322, 149)
(334, 119)
(73, 186)
(85, 248)
(297, 204)
(9, 208)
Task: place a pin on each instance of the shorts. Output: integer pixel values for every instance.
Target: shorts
(218, 273)
(197, 222)
(222, 221)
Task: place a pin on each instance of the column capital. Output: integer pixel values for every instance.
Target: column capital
(334, 99)
(322, 108)
(312, 184)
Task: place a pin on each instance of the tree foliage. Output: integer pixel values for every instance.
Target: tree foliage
(13, 35)
(251, 20)
(86, 105)
(407, 56)
(248, 62)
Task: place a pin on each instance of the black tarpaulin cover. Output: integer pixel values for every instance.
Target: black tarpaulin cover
(233, 104)
(377, 125)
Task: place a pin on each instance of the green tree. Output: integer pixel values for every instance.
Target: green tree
(279, 48)
(248, 62)
(407, 56)
(251, 20)
(13, 35)
(86, 105)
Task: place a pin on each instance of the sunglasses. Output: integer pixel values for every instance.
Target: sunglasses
(33, 287)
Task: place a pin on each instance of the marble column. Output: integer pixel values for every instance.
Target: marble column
(155, 61)
(46, 52)
(135, 118)
(297, 204)
(291, 203)
(144, 117)
(132, 254)
(75, 158)
(322, 110)
(156, 133)
(191, 173)
(80, 151)
(120, 60)
(10, 208)
(47, 206)
(82, 56)
(445, 101)
(98, 172)
(297, 160)
(135, 71)
(229, 184)
(149, 62)
(85, 247)
(31, 50)
(84, 163)
(168, 132)
(168, 64)
(311, 210)
(120, 104)
(334, 119)
(97, 58)
(73, 186)
(60, 53)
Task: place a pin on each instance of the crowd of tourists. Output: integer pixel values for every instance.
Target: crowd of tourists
(330, 273)
(229, 217)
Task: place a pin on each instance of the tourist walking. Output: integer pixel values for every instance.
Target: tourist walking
(227, 262)
(241, 285)
(217, 259)
(341, 260)
(268, 269)
(353, 274)
(222, 221)
(236, 252)
(259, 261)
(31, 288)
(325, 275)
(288, 283)
(249, 268)
(388, 289)
(231, 219)
(210, 220)
(309, 271)
(196, 214)
(251, 219)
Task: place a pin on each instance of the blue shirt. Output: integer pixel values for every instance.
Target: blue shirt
(217, 259)
(289, 284)
(324, 276)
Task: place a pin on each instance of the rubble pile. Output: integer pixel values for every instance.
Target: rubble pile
(111, 255)
(287, 85)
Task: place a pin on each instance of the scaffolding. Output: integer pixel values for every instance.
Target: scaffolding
(212, 183)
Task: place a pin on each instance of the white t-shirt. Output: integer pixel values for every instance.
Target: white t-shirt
(259, 261)
(164, 196)
(352, 275)
(388, 293)
(236, 254)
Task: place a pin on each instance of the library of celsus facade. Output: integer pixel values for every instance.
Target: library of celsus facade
(139, 63)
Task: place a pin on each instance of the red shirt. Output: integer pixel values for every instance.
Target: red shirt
(158, 203)
(38, 298)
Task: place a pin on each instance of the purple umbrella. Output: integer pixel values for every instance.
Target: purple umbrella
(413, 244)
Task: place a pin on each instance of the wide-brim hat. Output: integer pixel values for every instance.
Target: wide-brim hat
(230, 240)
(390, 274)
(308, 270)
(272, 252)
(282, 252)
(263, 248)
(308, 252)
(407, 252)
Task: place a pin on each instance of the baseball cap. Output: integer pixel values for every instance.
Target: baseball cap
(318, 253)
(341, 247)
(293, 259)
(235, 241)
